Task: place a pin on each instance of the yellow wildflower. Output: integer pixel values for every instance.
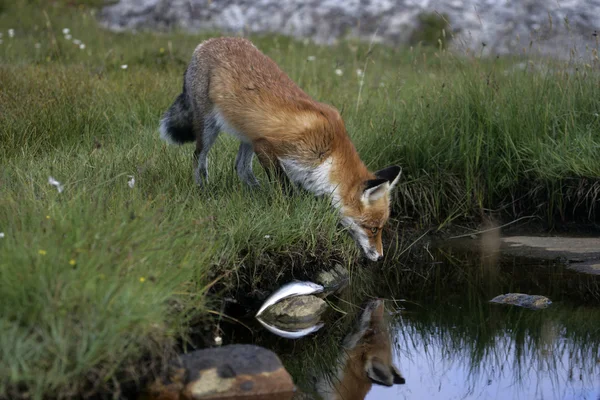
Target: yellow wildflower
(162, 49)
(47, 217)
(72, 262)
(42, 252)
(142, 279)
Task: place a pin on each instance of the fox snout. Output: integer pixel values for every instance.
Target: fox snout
(373, 252)
(371, 246)
(373, 255)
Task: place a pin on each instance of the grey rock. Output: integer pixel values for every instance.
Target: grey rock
(294, 313)
(504, 26)
(533, 302)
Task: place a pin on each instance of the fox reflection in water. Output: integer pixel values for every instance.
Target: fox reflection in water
(365, 359)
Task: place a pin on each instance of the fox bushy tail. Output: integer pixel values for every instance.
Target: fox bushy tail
(176, 125)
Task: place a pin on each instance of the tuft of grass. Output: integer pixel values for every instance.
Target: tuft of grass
(432, 30)
(102, 279)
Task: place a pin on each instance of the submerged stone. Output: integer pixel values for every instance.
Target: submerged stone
(229, 372)
(533, 302)
(297, 312)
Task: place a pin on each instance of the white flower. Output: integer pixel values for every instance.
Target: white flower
(1, 235)
(218, 340)
(131, 181)
(339, 72)
(267, 236)
(124, 66)
(56, 183)
(66, 31)
(311, 58)
(381, 84)
(359, 72)
(76, 41)
(11, 33)
(82, 46)
(38, 45)
(68, 37)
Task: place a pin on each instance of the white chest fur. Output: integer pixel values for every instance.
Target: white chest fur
(316, 180)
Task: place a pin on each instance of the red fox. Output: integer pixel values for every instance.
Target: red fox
(366, 358)
(231, 86)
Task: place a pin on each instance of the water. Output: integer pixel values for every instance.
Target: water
(449, 342)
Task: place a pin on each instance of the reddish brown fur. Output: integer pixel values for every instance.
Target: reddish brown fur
(260, 101)
(354, 383)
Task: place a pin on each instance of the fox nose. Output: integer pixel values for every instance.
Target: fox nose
(380, 257)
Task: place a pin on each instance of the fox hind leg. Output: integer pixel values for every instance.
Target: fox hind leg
(209, 131)
(243, 164)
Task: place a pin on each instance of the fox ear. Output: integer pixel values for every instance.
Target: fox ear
(390, 174)
(379, 373)
(398, 379)
(374, 189)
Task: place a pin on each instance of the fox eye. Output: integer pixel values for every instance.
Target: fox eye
(374, 230)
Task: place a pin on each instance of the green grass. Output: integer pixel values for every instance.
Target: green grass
(471, 140)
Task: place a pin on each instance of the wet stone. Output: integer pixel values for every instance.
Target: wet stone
(533, 302)
(333, 280)
(297, 312)
(229, 372)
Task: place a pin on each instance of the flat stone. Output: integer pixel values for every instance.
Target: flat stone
(228, 372)
(297, 312)
(580, 253)
(533, 302)
(553, 245)
(586, 267)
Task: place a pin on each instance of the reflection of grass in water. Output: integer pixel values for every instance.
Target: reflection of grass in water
(490, 339)
(451, 313)
(447, 308)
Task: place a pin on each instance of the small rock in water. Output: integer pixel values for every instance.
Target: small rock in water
(291, 289)
(295, 313)
(533, 302)
(228, 372)
(292, 311)
(333, 280)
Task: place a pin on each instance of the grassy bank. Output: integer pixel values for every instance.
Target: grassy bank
(98, 276)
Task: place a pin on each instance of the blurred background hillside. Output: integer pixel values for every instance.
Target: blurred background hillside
(563, 29)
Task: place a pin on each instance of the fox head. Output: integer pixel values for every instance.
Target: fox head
(368, 350)
(369, 209)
